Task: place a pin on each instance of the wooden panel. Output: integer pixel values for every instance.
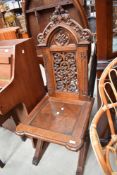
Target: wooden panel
(82, 64)
(9, 33)
(65, 121)
(27, 84)
(5, 71)
(38, 12)
(104, 29)
(5, 51)
(104, 23)
(4, 59)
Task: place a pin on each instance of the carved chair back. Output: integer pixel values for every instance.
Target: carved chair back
(65, 45)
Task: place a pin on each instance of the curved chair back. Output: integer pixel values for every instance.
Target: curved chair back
(108, 94)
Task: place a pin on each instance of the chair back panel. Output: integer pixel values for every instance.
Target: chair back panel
(64, 44)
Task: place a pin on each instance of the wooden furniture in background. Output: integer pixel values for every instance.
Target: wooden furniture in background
(37, 13)
(62, 116)
(9, 33)
(105, 54)
(20, 77)
(2, 23)
(21, 84)
(104, 26)
(109, 106)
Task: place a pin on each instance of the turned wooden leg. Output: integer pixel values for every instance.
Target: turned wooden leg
(82, 156)
(41, 146)
(34, 142)
(1, 164)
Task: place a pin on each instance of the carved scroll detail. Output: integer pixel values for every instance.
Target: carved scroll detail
(61, 16)
(65, 71)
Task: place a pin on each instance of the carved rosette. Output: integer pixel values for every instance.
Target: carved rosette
(40, 38)
(61, 16)
(62, 38)
(65, 71)
(85, 35)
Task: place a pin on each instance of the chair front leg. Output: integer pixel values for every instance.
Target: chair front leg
(41, 146)
(83, 155)
(1, 164)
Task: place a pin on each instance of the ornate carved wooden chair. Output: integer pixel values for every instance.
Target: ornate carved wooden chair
(62, 117)
(109, 108)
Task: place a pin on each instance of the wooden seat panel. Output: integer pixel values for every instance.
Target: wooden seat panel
(60, 117)
(57, 116)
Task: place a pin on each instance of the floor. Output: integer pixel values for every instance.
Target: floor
(57, 160)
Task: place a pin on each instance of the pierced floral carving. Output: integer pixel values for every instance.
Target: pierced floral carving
(62, 38)
(61, 16)
(65, 71)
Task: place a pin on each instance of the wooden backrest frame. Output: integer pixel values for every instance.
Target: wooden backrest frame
(63, 35)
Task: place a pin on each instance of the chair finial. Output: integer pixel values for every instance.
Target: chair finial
(59, 14)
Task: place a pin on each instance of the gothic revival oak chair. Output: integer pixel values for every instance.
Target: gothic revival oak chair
(62, 117)
(109, 108)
